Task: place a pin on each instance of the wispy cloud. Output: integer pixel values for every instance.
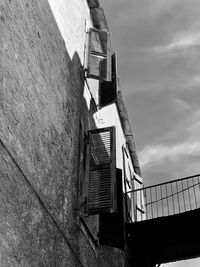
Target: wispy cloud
(190, 146)
(181, 41)
(180, 105)
(151, 154)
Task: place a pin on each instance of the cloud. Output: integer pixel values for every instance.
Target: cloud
(178, 143)
(181, 41)
(155, 154)
(161, 7)
(180, 105)
(186, 263)
(167, 148)
(193, 82)
(194, 128)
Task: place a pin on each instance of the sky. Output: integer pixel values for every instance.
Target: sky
(158, 48)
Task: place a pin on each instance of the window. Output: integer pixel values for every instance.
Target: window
(103, 218)
(139, 199)
(101, 164)
(108, 90)
(128, 185)
(99, 49)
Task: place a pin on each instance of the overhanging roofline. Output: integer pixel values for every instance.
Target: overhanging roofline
(97, 15)
(123, 114)
(100, 22)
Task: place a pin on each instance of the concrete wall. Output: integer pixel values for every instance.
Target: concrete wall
(41, 103)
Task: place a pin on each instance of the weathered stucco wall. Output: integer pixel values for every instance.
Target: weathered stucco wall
(73, 20)
(41, 101)
(28, 236)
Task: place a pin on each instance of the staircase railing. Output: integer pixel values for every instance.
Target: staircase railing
(166, 199)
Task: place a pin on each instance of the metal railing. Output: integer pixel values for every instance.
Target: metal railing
(166, 199)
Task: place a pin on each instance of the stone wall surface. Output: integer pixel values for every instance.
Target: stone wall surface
(41, 101)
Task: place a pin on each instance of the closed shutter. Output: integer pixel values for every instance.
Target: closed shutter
(108, 90)
(102, 173)
(99, 49)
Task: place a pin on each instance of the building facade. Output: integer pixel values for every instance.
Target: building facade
(67, 152)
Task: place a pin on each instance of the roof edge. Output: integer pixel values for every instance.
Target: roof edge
(123, 114)
(98, 15)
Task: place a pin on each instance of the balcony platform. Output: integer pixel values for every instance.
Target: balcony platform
(164, 239)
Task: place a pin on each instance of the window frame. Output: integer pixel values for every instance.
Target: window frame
(93, 53)
(113, 206)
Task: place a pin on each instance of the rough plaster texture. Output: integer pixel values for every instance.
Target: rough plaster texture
(73, 20)
(40, 90)
(41, 101)
(28, 237)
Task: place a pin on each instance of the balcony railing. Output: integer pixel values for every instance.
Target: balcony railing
(166, 199)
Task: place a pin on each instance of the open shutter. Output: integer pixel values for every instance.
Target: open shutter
(99, 49)
(139, 199)
(108, 90)
(102, 172)
(111, 231)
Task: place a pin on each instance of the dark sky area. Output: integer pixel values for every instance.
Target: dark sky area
(158, 47)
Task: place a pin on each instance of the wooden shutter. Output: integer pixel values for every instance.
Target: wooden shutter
(111, 231)
(99, 49)
(139, 199)
(102, 173)
(108, 90)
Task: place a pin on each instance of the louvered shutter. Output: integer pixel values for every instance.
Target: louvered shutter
(108, 90)
(102, 172)
(99, 49)
(111, 231)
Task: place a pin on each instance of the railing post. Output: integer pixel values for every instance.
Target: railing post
(172, 199)
(183, 196)
(189, 194)
(167, 199)
(178, 197)
(161, 200)
(194, 193)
